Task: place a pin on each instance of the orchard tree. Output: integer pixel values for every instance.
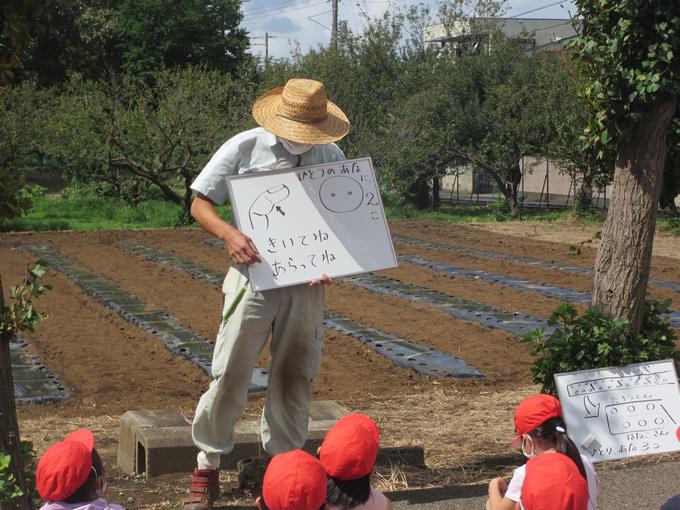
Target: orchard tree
(137, 136)
(152, 34)
(19, 314)
(631, 49)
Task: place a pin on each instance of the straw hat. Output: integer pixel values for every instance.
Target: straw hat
(301, 112)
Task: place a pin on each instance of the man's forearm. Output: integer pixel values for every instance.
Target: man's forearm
(204, 212)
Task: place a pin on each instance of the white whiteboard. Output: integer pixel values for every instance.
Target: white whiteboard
(306, 221)
(618, 412)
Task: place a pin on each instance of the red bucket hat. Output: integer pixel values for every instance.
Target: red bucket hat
(534, 411)
(553, 482)
(65, 466)
(350, 447)
(294, 481)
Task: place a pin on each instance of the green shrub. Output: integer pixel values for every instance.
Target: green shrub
(594, 341)
(8, 488)
(500, 209)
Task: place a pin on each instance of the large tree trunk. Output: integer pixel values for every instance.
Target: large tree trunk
(9, 427)
(624, 258)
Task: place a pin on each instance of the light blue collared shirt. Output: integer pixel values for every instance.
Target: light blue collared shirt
(255, 150)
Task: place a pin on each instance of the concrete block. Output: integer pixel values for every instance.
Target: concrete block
(159, 442)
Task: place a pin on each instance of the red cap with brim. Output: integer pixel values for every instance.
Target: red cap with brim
(532, 412)
(350, 447)
(294, 481)
(65, 466)
(553, 482)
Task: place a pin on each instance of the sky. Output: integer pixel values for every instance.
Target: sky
(307, 22)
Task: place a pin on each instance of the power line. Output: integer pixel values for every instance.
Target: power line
(287, 11)
(536, 9)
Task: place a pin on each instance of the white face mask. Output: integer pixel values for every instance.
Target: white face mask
(295, 147)
(532, 453)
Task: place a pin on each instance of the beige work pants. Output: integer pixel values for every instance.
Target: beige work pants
(295, 317)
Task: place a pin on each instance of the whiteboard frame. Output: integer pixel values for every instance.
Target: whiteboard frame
(632, 365)
(295, 169)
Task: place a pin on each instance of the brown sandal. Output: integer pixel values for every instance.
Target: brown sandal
(205, 489)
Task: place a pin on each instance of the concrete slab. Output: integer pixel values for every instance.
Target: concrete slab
(154, 443)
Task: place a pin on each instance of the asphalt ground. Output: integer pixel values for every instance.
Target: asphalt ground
(630, 488)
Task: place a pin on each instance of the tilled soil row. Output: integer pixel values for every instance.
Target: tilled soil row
(582, 282)
(665, 268)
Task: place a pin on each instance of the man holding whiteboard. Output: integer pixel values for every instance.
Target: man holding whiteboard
(298, 127)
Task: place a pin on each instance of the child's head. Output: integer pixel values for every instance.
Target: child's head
(533, 412)
(540, 427)
(553, 482)
(71, 470)
(293, 480)
(348, 454)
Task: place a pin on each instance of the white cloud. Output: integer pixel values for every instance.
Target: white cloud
(289, 21)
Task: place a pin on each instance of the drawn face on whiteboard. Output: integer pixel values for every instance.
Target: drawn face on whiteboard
(341, 194)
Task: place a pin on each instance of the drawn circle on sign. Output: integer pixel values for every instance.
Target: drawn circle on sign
(341, 194)
(650, 406)
(614, 410)
(658, 421)
(677, 433)
(626, 424)
(642, 423)
(631, 408)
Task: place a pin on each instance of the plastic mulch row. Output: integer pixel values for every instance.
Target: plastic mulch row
(531, 261)
(403, 353)
(159, 323)
(553, 291)
(33, 382)
(516, 322)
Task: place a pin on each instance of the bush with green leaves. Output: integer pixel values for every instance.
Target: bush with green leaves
(595, 341)
(9, 490)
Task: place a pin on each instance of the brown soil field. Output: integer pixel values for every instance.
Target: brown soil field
(465, 425)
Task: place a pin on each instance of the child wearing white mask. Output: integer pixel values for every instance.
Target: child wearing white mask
(540, 431)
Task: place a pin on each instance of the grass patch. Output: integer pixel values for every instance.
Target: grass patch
(470, 213)
(670, 225)
(97, 213)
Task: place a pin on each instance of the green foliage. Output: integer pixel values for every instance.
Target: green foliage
(140, 37)
(500, 209)
(156, 34)
(139, 137)
(8, 488)
(594, 341)
(631, 50)
(20, 314)
(83, 208)
(19, 121)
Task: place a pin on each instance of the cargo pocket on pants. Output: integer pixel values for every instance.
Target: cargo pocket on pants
(314, 354)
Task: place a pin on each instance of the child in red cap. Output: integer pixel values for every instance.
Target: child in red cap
(540, 429)
(70, 475)
(348, 454)
(553, 482)
(293, 481)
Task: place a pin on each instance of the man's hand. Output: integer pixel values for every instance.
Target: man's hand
(325, 280)
(241, 248)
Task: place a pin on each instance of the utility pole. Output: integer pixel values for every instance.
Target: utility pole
(334, 24)
(266, 46)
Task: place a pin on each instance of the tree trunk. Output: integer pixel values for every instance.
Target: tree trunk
(584, 195)
(436, 186)
(624, 258)
(9, 427)
(420, 191)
